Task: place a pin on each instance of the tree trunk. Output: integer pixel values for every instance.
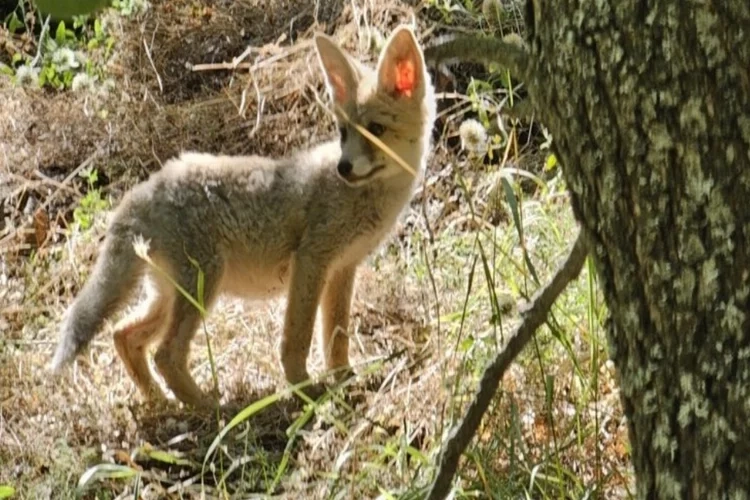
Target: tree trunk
(649, 105)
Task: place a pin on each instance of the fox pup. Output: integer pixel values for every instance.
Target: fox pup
(258, 227)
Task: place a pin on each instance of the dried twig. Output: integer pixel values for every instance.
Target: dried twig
(222, 65)
(254, 66)
(533, 318)
(44, 32)
(259, 112)
(151, 60)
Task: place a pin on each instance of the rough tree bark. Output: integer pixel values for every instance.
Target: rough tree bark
(649, 106)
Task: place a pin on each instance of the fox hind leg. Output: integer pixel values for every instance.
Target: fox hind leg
(135, 333)
(172, 354)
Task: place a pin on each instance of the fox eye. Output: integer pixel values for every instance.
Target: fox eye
(375, 129)
(342, 133)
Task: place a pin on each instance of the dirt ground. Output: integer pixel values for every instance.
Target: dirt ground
(173, 90)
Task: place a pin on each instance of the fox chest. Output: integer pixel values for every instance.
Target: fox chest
(372, 228)
(361, 246)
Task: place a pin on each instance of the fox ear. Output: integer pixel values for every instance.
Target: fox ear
(401, 66)
(341, 76)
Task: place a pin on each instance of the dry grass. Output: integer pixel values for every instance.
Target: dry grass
(424, 315)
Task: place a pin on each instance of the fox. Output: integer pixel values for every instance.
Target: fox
(259, 227)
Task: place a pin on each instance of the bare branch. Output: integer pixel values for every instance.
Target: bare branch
(533, 318)
(508, 53)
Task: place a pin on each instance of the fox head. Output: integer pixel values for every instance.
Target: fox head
(385, 117)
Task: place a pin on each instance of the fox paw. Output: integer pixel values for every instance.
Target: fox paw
(311, 391)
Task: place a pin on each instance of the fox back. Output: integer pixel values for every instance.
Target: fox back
(258, 227)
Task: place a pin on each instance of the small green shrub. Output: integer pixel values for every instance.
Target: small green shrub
(91, 204)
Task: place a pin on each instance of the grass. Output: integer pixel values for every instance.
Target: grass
(488, 225)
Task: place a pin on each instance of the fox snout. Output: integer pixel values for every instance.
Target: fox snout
(360, 170)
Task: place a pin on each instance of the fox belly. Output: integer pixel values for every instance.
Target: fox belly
(256, 280)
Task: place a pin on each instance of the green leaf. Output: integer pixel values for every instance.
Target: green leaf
(466, 344)
(80, 21)
(13, 22)
(92, 177)
(60, 33)
(6, 491)
(550, 163)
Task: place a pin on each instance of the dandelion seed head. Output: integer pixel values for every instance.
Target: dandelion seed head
(82, 81)
(473, 136)
(64, 58)
(27, 76)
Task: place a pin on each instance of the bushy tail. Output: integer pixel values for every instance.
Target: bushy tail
(114, 276)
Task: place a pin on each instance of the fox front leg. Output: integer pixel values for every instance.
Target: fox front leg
(336, 305)
(307, 280)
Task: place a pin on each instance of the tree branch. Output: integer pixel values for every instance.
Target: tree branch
(509, 53)
(533, 317)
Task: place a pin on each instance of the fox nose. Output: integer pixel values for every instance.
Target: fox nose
(344, 168)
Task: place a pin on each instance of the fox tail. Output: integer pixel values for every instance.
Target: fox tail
(115, 274)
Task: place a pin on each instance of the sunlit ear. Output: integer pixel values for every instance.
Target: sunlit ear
(342, 78)
(401, 67)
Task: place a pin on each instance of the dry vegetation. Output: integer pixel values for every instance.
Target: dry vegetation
(432, 305)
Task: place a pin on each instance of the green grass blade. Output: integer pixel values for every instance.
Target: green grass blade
(105, 471)
(510, 195)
